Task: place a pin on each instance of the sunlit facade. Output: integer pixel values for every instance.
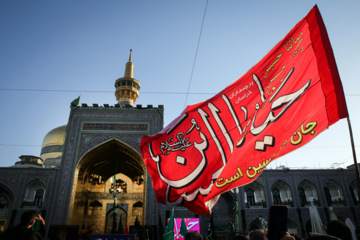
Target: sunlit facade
(95, 158)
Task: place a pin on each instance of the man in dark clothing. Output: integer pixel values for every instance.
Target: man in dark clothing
(24, 230)
(339, 229)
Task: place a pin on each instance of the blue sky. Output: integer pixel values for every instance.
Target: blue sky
(54, 51)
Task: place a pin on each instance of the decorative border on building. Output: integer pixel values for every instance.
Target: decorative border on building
(51, 149)
(122, 205)
(116, 126)
(89, 141)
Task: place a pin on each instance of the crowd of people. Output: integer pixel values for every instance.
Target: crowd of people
(32, 227)
(335, 230)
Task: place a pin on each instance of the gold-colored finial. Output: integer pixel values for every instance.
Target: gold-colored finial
(127, 88)
(129, 67)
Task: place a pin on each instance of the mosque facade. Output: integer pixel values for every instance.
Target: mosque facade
(90, 174)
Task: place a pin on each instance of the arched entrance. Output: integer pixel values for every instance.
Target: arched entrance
(116, 220)
(6, 202)
(112, 170)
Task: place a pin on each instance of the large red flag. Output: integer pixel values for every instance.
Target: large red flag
(283, 102)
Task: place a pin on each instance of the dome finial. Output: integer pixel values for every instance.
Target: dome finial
(130, 55)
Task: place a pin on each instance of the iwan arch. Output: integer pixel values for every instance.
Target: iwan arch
(100, 156)
(92, 201)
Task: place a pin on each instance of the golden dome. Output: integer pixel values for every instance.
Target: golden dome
(51, 149)
(55, 137)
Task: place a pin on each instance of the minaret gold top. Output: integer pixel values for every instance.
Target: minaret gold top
(129, 67)
(127, 88)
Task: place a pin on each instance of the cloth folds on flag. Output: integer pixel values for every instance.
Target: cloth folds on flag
(113, 215)
(75, 102)
(284, 101)
(120, 227)
(126, 230)
(183, 229)
(169, 233)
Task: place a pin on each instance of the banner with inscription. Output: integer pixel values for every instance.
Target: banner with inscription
(283, 102)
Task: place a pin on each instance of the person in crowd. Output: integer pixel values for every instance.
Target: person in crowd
(338, 229)
(24, 231)
(357, 233)
(257, 235)
(287, 236)
(296, 236)
(242, 236)
(193, 235)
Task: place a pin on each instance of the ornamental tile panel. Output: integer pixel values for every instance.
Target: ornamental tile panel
(89, 141)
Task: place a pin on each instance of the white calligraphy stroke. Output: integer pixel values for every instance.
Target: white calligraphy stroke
(209, 127)
(201, 147)
(286, 100)
(236, 119)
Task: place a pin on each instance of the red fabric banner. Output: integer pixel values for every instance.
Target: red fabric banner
(283, 102)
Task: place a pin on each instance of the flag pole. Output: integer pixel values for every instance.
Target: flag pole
(355, 161)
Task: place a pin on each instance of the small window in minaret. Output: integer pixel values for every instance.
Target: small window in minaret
(128, 83)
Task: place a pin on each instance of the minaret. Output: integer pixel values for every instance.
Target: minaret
(127, 88)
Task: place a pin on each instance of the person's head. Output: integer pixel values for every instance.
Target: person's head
(256, 235)
(28, 218)
(297, 237)
(193, 235)
(338, 229)
(357, 233)
(242, 236)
